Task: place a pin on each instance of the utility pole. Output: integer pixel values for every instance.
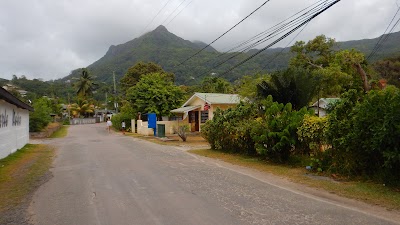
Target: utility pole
(106, 102)
(69, 105)
(115, 94)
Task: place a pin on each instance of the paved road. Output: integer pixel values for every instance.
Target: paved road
(107, 178)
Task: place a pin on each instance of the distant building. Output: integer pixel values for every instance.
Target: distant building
(14, 123)
(323, 104)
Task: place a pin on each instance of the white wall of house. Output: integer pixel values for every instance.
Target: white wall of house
(14, 128)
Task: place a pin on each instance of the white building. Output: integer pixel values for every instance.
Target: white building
(320, 107)
(14, 123)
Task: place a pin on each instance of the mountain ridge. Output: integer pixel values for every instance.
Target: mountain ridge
(168, 50)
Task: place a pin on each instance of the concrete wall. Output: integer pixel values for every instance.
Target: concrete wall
(143, 129)
(14, 128)
(79, 121)
(169, 127)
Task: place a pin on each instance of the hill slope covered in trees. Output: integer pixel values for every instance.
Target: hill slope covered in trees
(168, 50)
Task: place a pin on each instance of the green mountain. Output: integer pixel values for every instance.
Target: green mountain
(168, 50)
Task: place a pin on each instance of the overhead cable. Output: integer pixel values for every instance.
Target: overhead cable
(282, 37)
(225, 32)
(259, 35)
(383, 38)
(158, 13)
(179, 13)
(173, 11)
(276, 31)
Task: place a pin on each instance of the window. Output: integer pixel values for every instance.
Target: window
(204, 116)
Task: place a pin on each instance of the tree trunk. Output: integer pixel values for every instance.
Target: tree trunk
(363, 76)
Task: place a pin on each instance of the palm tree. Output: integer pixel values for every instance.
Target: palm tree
(85, 85)
(295, 86)
(81, 107)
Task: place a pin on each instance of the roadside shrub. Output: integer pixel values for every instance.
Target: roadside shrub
(312, 133)
(181, 131)
(230, 130)
(66, 121)
(117, 121)
(275, 133)
(40, 118)
(126, 114)
(365, 135)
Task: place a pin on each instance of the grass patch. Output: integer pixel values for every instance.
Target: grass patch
(173, 140)
(21, 173)
(371, 193)
(60, 133)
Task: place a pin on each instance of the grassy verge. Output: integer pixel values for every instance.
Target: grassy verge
(371, 193)
(172, 140)
(60, 133)
(20, 174)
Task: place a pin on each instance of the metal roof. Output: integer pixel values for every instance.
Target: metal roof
(215, 98)
(324, 102)
(185, 109)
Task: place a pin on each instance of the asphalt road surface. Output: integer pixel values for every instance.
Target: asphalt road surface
(108, 178)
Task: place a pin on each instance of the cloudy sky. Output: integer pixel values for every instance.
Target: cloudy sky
(48, 38)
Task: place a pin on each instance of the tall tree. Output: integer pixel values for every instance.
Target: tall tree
(247, 85)
(155, 93)
(211, 84)
(338, 70)
(133, 75)
(389, 69)
(85, 85)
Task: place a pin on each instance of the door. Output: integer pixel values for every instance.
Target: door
(194, 121)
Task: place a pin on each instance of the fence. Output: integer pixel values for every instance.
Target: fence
(80, 121)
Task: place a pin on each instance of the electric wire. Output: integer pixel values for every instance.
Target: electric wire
(382, 37)
(179, 13)
(282, 37)
(158, 13)
(243, 43)
(388, 35)
(266, 31)
(173, 11)
(225, 32)
(142, 32)
(283, 49)
(286, 26)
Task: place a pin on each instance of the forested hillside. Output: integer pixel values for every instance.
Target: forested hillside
(168, 50)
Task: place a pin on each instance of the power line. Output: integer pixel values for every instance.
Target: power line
(283, 49)
(271, 28)
(225, 32)
(173, 11)
(379, 43)
(282, 37)
(243, 43)
(158, 13)
(275, 32)
(179, 13)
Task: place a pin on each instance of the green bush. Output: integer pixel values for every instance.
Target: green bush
(275, 133)
(230, 130)
(66, 121)
(312, 133)
(365, 133)
(117, 121)
(40, 117)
